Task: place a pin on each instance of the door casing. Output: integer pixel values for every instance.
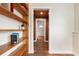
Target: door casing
(47, 27)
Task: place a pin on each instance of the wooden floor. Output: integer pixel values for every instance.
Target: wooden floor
(40, 48)
(6, 47)
(21, 51)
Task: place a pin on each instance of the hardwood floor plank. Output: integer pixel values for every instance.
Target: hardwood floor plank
(21, 51)
(6, 47)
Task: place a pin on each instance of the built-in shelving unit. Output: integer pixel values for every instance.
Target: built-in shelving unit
(21, 8)
(5, 12)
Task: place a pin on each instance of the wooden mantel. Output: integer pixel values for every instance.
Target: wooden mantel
(5, 12)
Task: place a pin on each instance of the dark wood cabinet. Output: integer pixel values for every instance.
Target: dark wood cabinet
(13, 39)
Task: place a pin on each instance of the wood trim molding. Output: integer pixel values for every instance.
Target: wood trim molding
(26, 33)
(11, 7)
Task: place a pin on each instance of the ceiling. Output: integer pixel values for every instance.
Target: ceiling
(41, 13)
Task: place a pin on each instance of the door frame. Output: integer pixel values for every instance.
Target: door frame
(47, 27)
(31, 26)
(35, 24)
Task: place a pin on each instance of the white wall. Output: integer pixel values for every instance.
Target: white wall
(8, 23)
(61, 26)
(76, 33)
(17, 13)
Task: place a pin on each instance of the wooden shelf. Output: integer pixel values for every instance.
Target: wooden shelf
(5, 12)
(25, 5)
(12, 29)
(21, 9)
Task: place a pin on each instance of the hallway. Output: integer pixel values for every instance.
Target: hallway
(33, 22)
(41, 47)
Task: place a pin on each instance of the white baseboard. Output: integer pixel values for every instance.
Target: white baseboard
(45, 41)
(76, 54)
(57, 52)
(31, 52)
(12, 49)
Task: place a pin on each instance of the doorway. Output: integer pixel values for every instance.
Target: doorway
(41, 31)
